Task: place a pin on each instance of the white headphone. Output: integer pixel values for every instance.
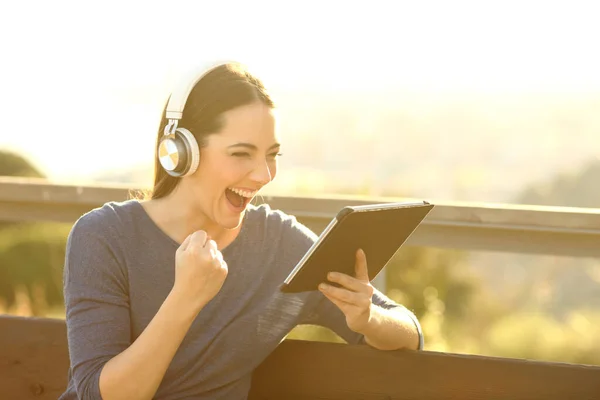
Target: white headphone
(178, 150)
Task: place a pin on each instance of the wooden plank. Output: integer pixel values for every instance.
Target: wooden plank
(34, 358)
(41, 191)
(34, 365)
(480, 227)
(310, 370)
(24, 199)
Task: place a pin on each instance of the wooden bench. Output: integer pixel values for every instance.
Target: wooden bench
(34, 362)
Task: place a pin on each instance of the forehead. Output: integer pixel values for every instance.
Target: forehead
(253, 123)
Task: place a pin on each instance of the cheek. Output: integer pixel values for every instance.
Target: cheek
(232, 170)
(213, 172)
(273, 169)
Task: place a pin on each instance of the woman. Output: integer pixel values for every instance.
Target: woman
(177, 296)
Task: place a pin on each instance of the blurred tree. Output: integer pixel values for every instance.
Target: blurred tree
(31, 260)
(31, 254)
(553, 318)
(535, 335)
(12, 164)
(414, 271)
(570, 281)
(566, 190)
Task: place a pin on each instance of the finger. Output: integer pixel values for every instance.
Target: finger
(360, 267)
(342, 294)
(198, 239)
(342, 305)
(347, 281)
(214, 251)
(184, 245)
(211, 245)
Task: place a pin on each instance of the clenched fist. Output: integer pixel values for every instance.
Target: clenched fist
(199, 269)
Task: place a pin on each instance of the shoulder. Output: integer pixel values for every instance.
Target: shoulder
(109, 215)
(95, 247)
(102, 224)
(279, 224)
(279, 236)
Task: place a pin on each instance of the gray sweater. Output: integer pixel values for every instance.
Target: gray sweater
(119, 269)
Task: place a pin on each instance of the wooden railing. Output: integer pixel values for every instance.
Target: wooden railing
(469, 226)
(34, 355)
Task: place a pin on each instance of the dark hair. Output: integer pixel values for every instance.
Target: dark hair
(224, 88)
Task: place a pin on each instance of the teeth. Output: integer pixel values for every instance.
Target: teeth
(243, 193)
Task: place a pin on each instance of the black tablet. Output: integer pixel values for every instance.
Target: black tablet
(378, 229)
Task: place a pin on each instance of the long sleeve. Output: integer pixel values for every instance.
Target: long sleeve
(96, 301)
(328, 315)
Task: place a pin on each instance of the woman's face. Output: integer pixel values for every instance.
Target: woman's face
(235, 164)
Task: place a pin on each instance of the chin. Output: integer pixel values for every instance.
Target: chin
(232, 222)
(231, 226)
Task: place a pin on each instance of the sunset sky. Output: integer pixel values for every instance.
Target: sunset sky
(82, 85)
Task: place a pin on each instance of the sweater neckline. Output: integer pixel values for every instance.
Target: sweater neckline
(139, 209)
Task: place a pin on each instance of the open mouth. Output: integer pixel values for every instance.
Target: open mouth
(238, 198)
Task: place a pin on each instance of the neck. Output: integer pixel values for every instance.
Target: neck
(179, 218)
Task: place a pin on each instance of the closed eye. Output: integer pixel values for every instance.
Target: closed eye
(243, 154)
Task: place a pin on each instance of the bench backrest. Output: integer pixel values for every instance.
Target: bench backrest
(34, 362)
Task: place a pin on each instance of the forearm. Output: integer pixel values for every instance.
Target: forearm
(136, 373)
(391, 329)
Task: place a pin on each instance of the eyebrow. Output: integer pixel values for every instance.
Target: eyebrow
(251, 146)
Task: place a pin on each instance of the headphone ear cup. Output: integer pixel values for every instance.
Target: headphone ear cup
(192, 155)
(179, 156)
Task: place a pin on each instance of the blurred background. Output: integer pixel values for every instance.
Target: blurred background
(458, 102)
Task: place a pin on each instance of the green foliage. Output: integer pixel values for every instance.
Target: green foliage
(415, 270)
(558, 327)
(537, 336)
(435, 284)
(31, 255)
(12, 164)
(31, 259)
(314, 333)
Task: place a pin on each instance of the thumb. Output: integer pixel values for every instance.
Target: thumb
(183, 246)
(360, 267)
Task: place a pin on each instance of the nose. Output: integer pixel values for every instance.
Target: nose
(262, 173)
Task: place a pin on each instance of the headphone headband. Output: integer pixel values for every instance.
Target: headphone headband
(181, 92)
(178, 150)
